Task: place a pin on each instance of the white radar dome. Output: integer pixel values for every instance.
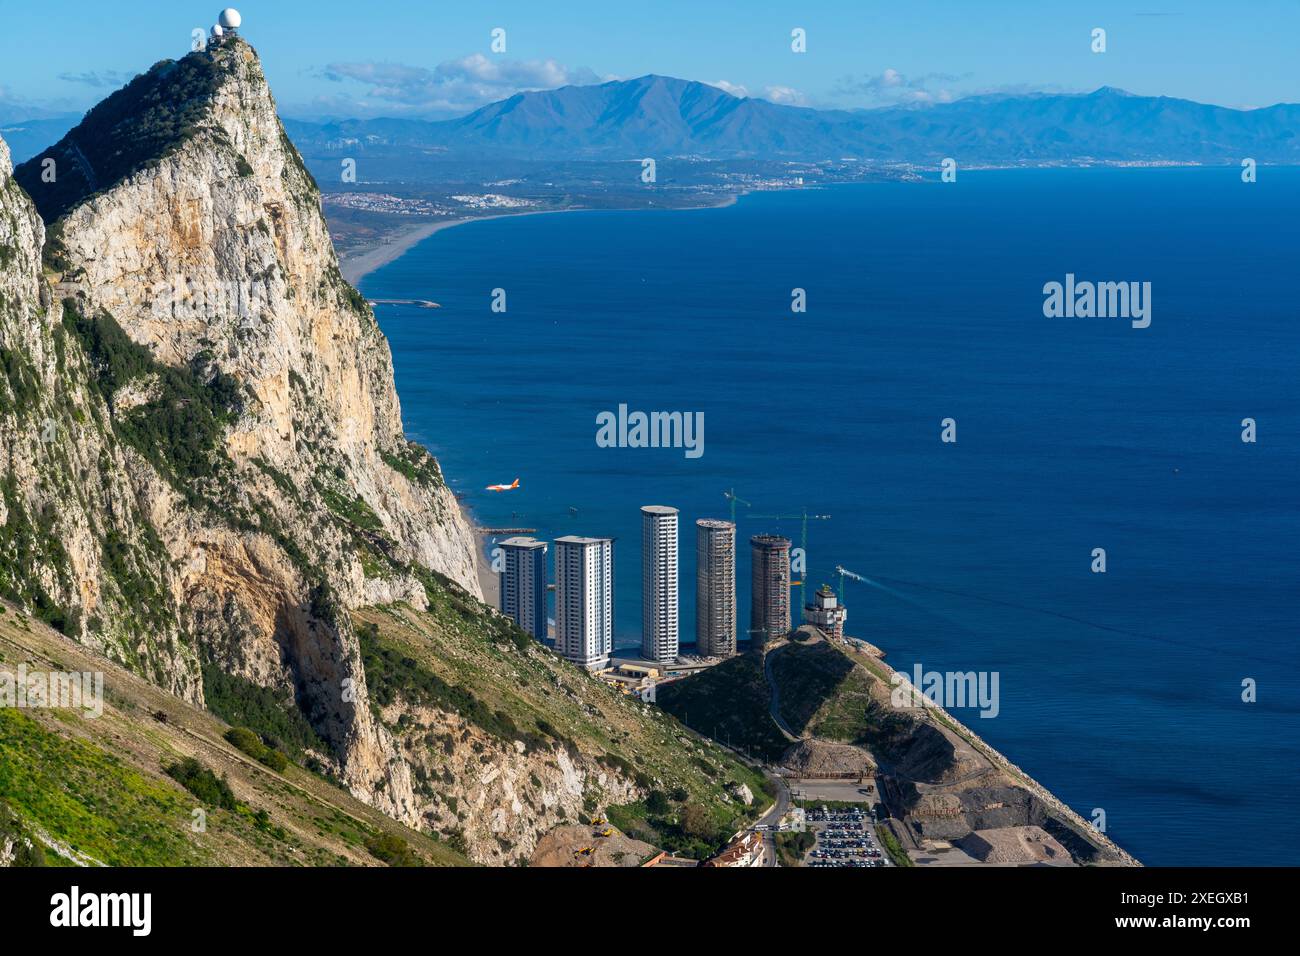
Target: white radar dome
(230, 19)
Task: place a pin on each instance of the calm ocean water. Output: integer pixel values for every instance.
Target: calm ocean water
(1119, 691)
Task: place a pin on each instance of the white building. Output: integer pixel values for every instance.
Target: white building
(826, 612)
(584, 600)
(659, 630)
(715, 588)
(523, 584)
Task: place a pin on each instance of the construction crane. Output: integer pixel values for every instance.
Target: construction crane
(805, 517)
(844, 572)
(733, 498)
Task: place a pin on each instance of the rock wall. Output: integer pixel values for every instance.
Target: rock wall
(246, 556)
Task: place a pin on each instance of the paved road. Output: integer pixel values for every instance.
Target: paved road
(774, 707)
(773, 817)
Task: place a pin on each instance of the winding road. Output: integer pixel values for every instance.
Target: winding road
(774, 707)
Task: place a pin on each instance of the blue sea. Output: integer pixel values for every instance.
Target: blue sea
(1120, 691)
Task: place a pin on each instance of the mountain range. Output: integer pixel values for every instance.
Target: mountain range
(663, 116)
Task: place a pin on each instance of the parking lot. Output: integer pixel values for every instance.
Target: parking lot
(844, 837)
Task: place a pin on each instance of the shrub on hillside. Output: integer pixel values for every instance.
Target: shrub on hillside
(392, 849)
(203, 783)
(253, 745)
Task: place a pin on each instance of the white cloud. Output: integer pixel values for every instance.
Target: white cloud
(894, 86)
(735, 89)
(785, 95)
(452, 87)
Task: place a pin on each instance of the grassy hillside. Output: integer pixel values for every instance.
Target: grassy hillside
(729, 702)
(98, 790)
(807, 676)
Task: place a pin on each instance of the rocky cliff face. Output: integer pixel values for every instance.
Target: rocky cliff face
(72, 520)
(499, 795)
(204, 462)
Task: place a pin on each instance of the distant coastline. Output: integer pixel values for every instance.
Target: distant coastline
(370, 257)
(374, 257)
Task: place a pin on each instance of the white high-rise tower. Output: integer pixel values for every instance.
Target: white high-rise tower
(523, 584)
(659, 632)
(584, 600)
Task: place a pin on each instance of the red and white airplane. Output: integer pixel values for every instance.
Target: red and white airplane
(510, 487)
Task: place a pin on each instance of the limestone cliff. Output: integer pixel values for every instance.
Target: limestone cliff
(75, 544)
(204, 447)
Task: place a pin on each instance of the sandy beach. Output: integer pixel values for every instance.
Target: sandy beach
(357, 267)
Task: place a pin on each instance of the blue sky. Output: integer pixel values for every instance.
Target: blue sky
(400, 57)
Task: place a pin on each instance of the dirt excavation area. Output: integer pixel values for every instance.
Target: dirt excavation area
(1016, 846)
(821, 758)
(578, 845)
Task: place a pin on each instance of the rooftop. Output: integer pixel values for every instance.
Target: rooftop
(715, 524)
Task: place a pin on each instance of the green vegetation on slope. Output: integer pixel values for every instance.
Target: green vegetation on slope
(853, 716)
(264, 752)
(24, 541)
(123, 789)
(806, 676)
(89, 799)
(146, 120)
(391, 674)
(829, 693)
(178, 427)
(685, 829)
(416, 464)
(203, 783)
(244, 704)
(729, 702)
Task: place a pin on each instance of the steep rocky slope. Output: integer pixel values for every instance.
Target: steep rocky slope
(72, 513)
(206, 464)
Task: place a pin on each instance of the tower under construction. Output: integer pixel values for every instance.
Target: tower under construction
(769, 609)
(715, 588)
